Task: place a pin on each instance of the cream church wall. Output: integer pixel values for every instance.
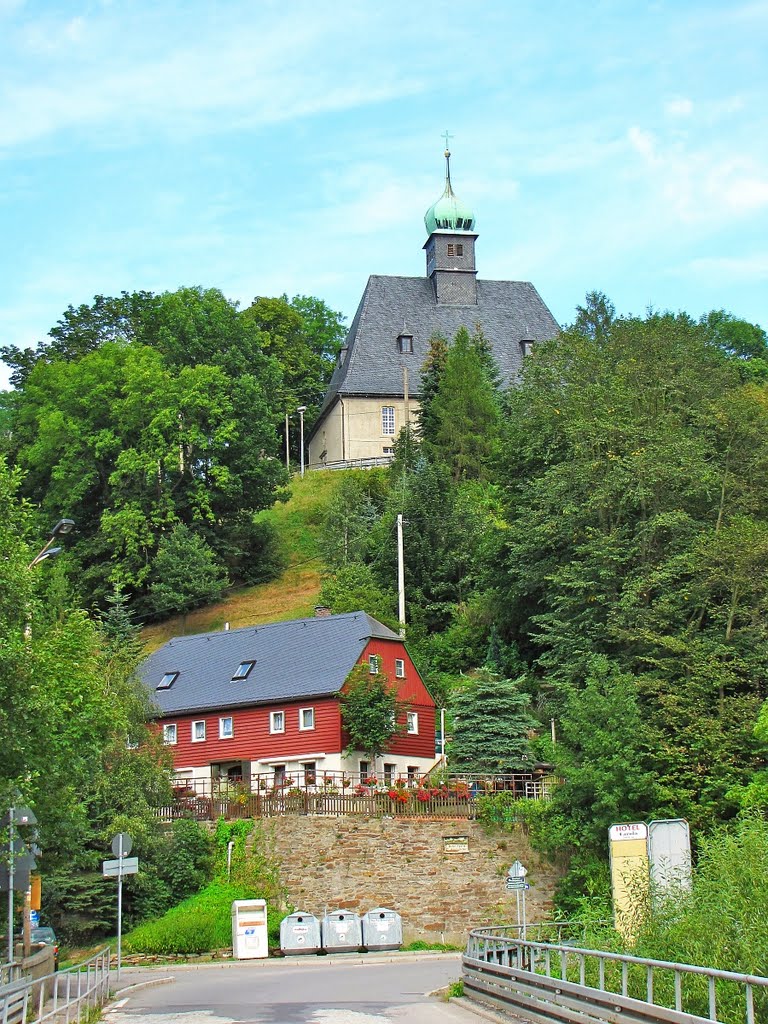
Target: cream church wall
(352, 430)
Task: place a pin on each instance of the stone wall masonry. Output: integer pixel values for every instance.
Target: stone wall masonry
(442, 876)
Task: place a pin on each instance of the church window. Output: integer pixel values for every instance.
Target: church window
(459, 250)
(388, 420)
(405, 343)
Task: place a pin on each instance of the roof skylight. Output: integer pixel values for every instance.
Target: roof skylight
(167, 681)
(243, 669)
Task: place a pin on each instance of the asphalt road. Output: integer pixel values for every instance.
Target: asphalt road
(299, 991)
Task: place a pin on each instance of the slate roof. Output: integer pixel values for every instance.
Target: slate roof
(296, 659)
(508, 312)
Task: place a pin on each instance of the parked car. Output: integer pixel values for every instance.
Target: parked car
(45, 936)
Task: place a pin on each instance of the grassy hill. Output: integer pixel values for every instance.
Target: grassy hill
(294, 594)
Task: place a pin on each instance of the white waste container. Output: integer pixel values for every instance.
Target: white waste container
(249, 929)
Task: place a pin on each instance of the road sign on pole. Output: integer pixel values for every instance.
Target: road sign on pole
(114, 868)
(122, 844)
(516, 883)
(517, 870)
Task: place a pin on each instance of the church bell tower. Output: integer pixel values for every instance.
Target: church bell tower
(450, 247)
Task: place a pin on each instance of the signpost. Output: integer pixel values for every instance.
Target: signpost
(122, 844)
(21, 861)
(515, 881)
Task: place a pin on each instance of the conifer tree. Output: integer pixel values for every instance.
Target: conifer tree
(492, 722)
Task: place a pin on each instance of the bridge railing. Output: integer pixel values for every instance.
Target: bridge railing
(69, 995)
(564, 982)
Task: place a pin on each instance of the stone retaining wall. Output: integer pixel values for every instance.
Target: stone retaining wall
(441, 876)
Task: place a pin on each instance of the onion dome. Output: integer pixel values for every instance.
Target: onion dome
(449, 213)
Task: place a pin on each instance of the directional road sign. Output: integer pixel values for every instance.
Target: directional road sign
(126, 866)
(516, 883)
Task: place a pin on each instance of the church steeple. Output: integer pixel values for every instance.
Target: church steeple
(450, 247)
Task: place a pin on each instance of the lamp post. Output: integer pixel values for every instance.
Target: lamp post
(23, 815)
(301, 410)
(61, 529)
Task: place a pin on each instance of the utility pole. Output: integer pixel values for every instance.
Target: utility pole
(406, 402)
(301, 410)
(400, 574)
(287, 447)
(11, 814)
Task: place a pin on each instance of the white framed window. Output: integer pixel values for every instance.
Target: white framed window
(310, 773)
(277, 721)
(400, 668)
(388, 420)
(386, 450)
(413, 722)
(198, 731)
(169, 734)
(364, 770)
(306, 718)
(373, 664)
(389, 773)
(226, 728)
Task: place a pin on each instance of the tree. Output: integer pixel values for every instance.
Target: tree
(431, 375)
(185, 574)
(464, 412)
(633, 472)
(492, 723)
(595, 318)
(371, 713)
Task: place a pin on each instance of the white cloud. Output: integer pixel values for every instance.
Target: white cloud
(680, 106)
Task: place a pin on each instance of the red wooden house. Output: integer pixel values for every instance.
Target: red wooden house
(263, 701)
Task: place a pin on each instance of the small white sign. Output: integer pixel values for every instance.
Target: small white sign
(517, 870)
(126, 866)
(630, 830)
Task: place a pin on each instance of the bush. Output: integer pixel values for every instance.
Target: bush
(200, 924)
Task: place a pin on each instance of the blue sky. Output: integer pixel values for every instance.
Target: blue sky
(263, 147)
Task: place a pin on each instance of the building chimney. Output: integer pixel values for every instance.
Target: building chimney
(226, 627)
(322, 611)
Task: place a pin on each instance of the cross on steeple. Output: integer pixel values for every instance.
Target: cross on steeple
(447, 136)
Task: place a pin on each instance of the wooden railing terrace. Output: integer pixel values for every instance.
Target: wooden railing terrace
(262, 796)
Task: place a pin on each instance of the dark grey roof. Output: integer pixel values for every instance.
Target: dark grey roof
(296, 659)
(507, 311)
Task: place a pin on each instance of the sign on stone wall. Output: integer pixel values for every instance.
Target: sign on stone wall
(456, 844)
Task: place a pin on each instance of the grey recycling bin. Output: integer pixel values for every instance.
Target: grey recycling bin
(299, 933)
(382, 929)
(342, 932)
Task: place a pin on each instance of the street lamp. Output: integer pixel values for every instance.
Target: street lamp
(301, 410)
(61, 529)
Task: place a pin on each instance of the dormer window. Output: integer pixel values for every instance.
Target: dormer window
(405, 344)
(526, 347)
(167, 681)
(243, 670)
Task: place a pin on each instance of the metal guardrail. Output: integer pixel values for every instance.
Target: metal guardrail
(547, 982)
(371, 462)
(68, 995)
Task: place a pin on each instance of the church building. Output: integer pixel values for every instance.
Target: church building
(375, 386)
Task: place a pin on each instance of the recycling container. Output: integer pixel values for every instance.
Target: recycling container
(342, 932)
(300, 933)
(249, 929)
(382, 929)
